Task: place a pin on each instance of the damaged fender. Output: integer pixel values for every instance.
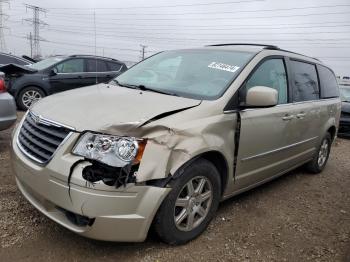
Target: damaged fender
(169, 146)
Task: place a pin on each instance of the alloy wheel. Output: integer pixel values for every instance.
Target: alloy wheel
(193, 203)
(323, 153)
(30, 97)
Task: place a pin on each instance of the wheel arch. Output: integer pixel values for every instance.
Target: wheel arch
(217, 159)
(19, 90)
(332, 130)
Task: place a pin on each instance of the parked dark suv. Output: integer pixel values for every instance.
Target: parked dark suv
(56, 74)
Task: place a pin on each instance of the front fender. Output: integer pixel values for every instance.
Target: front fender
(172, 147)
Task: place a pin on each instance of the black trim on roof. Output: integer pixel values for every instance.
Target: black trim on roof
(273, 47)
(94, 56)
(269, 47)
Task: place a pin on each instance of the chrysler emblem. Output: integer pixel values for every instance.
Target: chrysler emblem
(36, 118)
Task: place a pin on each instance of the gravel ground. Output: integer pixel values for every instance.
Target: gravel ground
(298, 217)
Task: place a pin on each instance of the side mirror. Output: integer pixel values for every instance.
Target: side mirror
(53, 72)
(261, 96)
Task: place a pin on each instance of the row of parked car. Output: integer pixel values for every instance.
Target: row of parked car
(26, 81)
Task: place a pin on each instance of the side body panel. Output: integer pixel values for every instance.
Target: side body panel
(270, 143)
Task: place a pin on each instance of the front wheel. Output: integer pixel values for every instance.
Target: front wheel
(188, 209)
(318, 163)
(28, 96)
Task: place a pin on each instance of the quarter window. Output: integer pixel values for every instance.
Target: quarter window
(71, 66)
(305, 83)
(328, 82)
(271, 73)
(114, 66)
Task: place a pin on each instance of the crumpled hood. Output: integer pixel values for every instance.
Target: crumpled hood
(104, 107)
(10, 69)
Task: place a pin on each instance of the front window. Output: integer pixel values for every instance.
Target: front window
(43, 64)
(271, 73)
(345, 93)
(199, 74)
(71, 66)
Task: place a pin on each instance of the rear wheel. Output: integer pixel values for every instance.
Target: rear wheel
(191, 204)
(318, 163)
(28, 96)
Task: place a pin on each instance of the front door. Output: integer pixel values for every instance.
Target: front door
(268, 140)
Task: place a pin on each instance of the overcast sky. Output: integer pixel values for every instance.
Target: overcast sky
(318, 28)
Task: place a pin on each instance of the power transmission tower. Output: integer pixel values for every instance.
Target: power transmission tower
(36, 22)
(143, 51)
(2, 36)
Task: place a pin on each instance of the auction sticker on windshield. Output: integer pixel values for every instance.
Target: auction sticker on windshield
(222, 66)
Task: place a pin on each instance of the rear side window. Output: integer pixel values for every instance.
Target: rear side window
(114, 66)
(305, 83)
(328, 82)
(95, 65)
(271, 73)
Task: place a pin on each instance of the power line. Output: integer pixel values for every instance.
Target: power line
(210, 18)
(203, 27)
(162, 25)
(80, 44)
(209, 13)
(199, 34)
(194, 39)
(157, 6)
(36, 22)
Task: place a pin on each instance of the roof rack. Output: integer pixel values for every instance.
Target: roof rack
(273, 47)
(299, 54)
(109, 58)
(269, 47)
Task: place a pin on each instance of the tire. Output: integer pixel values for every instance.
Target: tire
(202, 203)
(318, 163)
(28, 96)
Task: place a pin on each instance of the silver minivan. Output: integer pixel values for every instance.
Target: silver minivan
(166, 141)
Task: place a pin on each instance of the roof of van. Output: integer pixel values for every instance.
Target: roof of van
(256, 48)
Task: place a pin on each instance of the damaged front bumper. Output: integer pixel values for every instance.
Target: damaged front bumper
(96, 211)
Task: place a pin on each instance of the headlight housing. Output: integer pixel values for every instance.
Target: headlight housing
(114, 151)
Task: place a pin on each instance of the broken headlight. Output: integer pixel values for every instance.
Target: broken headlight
(114, 151)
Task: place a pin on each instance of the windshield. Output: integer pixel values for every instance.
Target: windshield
(199, 74)
(344, 93)
(46, 63)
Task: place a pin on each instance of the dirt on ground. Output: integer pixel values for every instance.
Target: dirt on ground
(298, 217)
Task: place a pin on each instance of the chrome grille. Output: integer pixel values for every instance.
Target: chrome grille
(39, 138)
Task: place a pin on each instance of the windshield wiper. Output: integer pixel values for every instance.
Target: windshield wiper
(124, 85)
(145, 88)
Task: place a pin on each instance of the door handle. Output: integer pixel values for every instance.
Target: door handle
(301, 115)
(288, 117)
